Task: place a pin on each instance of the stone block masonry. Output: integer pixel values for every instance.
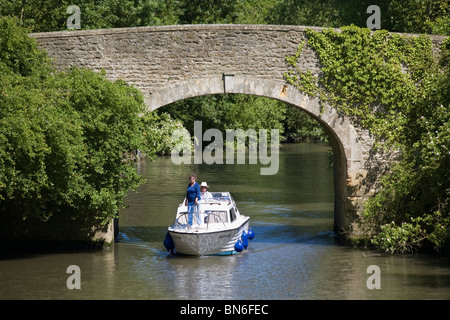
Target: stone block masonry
(151, 57)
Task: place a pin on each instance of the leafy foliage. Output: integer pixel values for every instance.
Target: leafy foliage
(62, 138)
(18, 55)
(159, 129)
(301, 127)
(51, 15)
(394, 87)
(420, 16)
(229, 112)
(415, 16)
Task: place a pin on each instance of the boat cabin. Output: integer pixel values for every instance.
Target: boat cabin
(220, 208)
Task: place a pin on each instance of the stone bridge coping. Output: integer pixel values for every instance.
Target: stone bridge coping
(201, 27)
(171, 28)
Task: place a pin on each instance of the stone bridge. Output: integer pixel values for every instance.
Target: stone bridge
(169, 63)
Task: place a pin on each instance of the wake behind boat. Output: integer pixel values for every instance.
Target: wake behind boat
(222, 229)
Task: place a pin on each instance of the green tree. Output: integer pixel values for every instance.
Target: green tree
(51, 15)
(229, 112)
(19, 55)
(419, 16)
(62, 139)
(301, 127)
(255, 11)
(208, 12)
(158, 129)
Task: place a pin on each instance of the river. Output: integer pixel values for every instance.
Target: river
(294, 255)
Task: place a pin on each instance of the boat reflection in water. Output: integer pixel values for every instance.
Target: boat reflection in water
(222, 229)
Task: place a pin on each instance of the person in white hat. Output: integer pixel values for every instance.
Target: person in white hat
(204, 193)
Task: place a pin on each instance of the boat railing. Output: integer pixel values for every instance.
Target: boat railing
(179, 223)
(215, 216)
(208, 217)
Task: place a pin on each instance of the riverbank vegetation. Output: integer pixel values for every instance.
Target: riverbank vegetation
(63, 135)
(399, 91)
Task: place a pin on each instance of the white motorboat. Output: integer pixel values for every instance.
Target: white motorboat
(222, 229)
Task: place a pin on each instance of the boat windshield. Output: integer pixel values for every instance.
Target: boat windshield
(207, 216)
(216, 216)
(218, 197)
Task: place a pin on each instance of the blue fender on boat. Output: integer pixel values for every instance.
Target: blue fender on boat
(239, 246)
(168, 242)
(251, 234)
(244, 238)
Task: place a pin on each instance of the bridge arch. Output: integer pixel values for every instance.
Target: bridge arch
(336, 127)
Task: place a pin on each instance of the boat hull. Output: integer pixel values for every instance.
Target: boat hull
(209, 242)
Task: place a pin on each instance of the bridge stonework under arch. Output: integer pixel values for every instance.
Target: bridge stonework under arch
(169, 63)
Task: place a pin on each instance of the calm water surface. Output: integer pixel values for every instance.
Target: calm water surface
(294, 255)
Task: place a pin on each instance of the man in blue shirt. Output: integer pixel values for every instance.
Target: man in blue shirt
(192, 199)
